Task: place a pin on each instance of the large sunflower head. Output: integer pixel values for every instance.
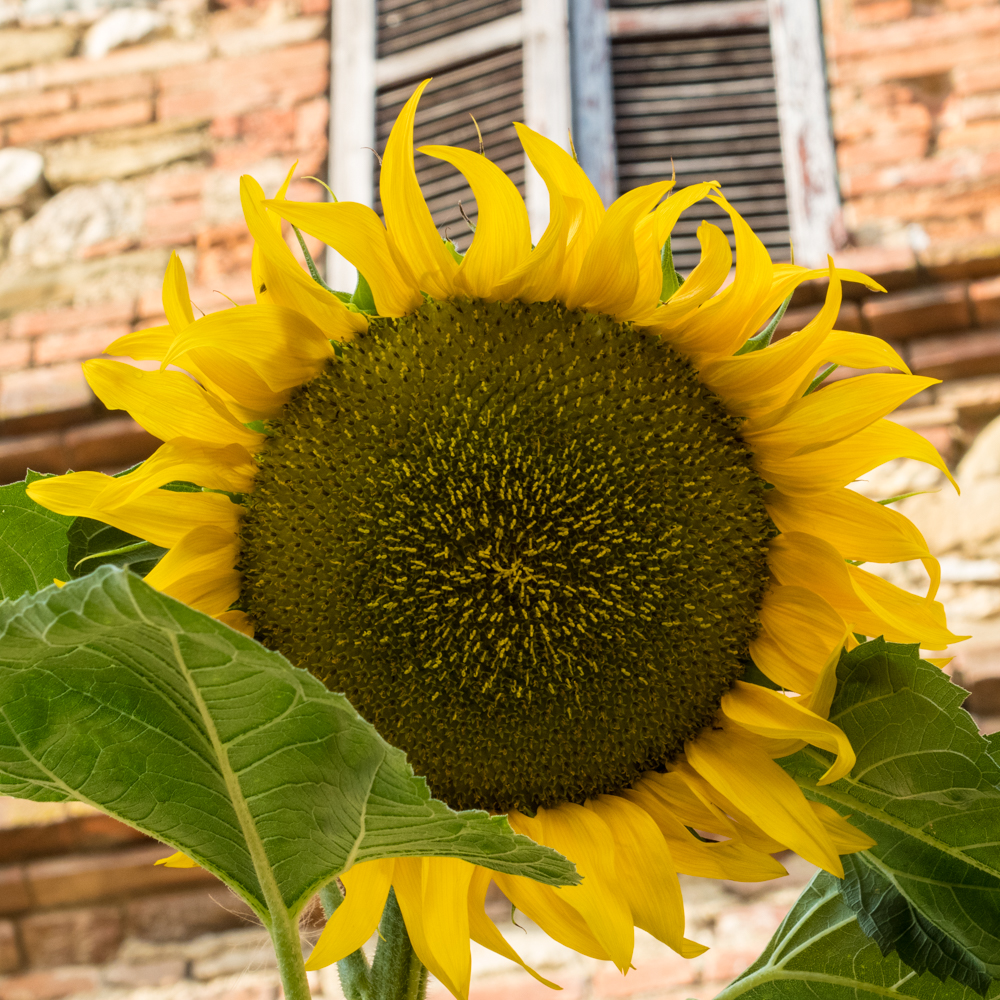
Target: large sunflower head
(575, 538)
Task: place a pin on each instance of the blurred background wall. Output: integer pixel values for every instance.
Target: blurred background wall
(865, 128)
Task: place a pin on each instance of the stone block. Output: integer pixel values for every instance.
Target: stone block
(916, 313)
(67, 937)
(108, 444)
(974, 353)
(985, 298)
(24, 47)
(43, 390)
(49, 985)
(129, 976)
(14, 894)
(180, 916)
(10, 951)
(66, 835)
(85, 877)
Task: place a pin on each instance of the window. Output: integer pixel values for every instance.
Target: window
(726, 89)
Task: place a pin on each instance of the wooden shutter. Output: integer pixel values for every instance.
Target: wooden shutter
(405, 24)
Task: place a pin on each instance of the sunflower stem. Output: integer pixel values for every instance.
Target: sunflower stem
(397, 973)
(288, 951)
(355, 976)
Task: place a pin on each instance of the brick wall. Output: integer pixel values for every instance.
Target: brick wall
(123, 133)
(915, 98)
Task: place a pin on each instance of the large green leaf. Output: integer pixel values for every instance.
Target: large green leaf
(32, 542)
(820, 952)
(116, 695)
(927, 790)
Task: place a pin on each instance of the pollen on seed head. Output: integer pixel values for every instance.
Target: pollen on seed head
(527, 543)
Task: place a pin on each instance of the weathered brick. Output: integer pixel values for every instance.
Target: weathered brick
(107, 444)
(985, 299)
(14, 893)
(902, 315)
(975, 353)
(312, 119)
(171, 223)
(521, 986)
(935, 57)
(78, 345)
(85, 877)
(114, 89)
(50, 985)
(163, 973)
(43, 390)
(69, 937)
(741, 933)
(882, 150)
(974, 134)
(45, 102)
(32, 324)
(14, 355)
(10, 951)
(80, 122)
(647, 977)
(971, 77)
(81, 833)
(914, 33)
(179, 916)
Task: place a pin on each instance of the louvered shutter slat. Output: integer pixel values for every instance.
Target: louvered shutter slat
(405, 24)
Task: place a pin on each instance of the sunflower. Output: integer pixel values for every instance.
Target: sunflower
(573, 535)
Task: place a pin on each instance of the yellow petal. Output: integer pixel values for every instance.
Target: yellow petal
(801, 634)
(770, 797)
(414, 241)
(176, 298)
(858, 350)
(858, 528)
(280, 273)
(842, 463)
(150, 344)
(690, 807)
(645, 871)
(167, 404)
(353, 922)
(846, 838)
(775, 715)
(433, 895)
(357, 232)
(613, 291)
(162, 517)
(868, 604)
(827, 417)
(575, 213)
(178, 860)
(229, 468)
(503, 237)
(200, 570)
(727, 859)
(484, 931)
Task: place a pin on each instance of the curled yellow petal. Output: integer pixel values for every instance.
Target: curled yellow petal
(200, 570)
(503, 237)
(415, 243)
(846, 838)
(353, 922)
(773, 714)
(761, 788)
(176, 298)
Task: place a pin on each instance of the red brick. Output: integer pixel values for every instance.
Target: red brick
(741, 934)
(69, 937)
(174, 222)
(648, 977)
(10, 951)
(180, 916)
(314, 6)
(84, 877)
(985, 298)
(79, 345)
(272, 127)
(934, 57)
(81, 833)
(186, 183)
(976, 134)
(80, 122)
(14, 893)
(915, 33)
(107, 443)
(311, 123)
(46, 102)
(31, 324)
(118, 88)
(43, 453)
(967, 354)
(887, 150)
(881, 12)
(14, 355)
(43, 390)
(52, 985)
(935, 309)
(976, 79)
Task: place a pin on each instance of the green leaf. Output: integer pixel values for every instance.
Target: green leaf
(119, 696)
(94, 543)
(927, 790)
(671, 279)
(32, 541)
(820, 952)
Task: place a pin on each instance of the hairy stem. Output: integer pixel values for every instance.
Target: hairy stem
(397, 973)
(355, 976)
